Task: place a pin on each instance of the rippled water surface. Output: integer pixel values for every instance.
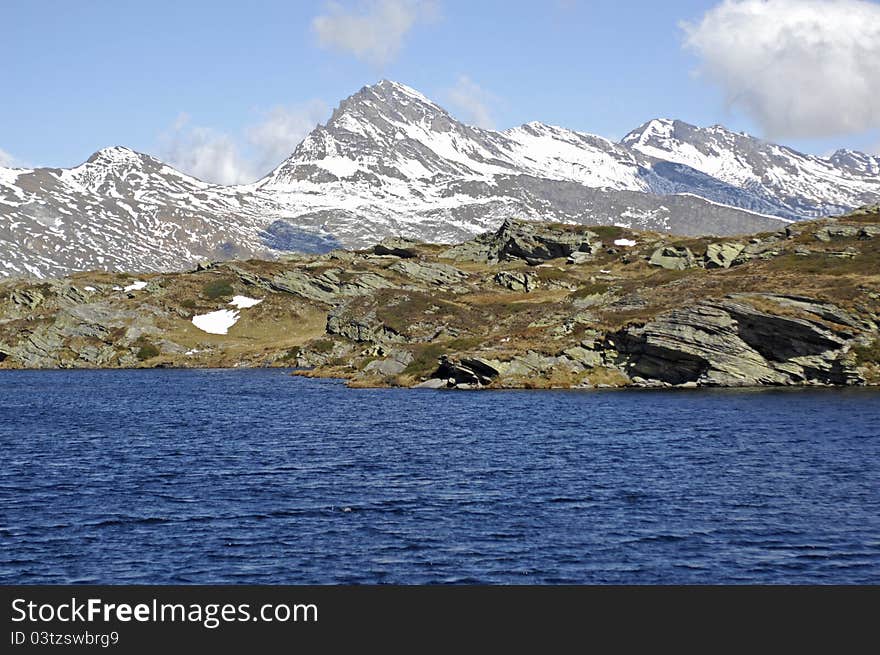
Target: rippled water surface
(257, 476)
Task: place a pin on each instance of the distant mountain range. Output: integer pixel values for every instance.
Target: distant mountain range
(392, 162)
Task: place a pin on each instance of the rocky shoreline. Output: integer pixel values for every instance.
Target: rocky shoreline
(530, 305)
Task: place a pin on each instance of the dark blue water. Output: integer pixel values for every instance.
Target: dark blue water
(259, 477)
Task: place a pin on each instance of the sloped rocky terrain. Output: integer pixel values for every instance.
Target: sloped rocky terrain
(527, 305)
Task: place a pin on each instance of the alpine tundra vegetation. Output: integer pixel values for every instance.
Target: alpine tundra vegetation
(529, 305)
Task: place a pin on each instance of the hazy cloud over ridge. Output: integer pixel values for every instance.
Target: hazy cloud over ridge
(472, 102)
(282, 129)
(217, 157)
(799, 68)
(371, 30)
(6, 160)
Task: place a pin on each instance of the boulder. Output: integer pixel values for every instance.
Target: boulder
(832, 232)
(722, 255)
(673, 258)
(529, 364)
(433, 383)
(584, 357)
(396, 247)
(757, 249)
(394, 364)
(516, 281)
(579, 257)
(323, 288)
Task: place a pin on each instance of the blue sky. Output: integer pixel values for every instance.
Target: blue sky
(170, 78)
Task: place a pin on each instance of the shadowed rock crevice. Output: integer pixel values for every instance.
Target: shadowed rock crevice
(780, 338)
(285, 236)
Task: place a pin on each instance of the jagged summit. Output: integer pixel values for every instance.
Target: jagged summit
(115, 154)
(386, 99)
(384, 134)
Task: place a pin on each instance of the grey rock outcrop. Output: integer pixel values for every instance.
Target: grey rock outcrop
(832, 232)
(516, 281)
(360, 328)
(442, 275)
(328, 287)
(758, 249)
(531, 242)
(731, 343)
(673, 258)
(579, 257)
(396, 247)
(468, 370)
(585, 357)
(722, 255)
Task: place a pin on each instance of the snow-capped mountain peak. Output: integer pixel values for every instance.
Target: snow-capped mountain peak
(858, 162)
(658, 129)
(116, 156)
(387, 133)
(799, 185)
(390, 161)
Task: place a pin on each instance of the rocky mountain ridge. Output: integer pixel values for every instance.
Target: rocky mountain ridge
(391, 162)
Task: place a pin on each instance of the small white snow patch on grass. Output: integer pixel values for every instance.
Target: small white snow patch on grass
(624, 242)
(217, 322)
(117, 288)
(243, 302)
(90, 289)
(137, 285)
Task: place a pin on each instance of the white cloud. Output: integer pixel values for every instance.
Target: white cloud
(800, 68)
(472, 102)
(204, 153)
(372, 30)
(216, 157)
(280, 132)
(6, 160)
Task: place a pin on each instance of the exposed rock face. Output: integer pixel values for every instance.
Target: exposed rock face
(832, 232)
(469, 370)
(327, 286)
(360, 328)
(433, 273)
(672, 258)
(531, 242)
(732, 343)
